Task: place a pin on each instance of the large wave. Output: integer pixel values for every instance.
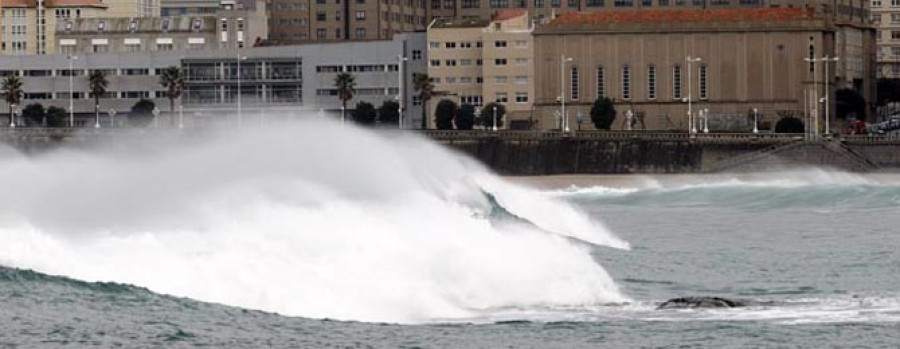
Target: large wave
(308, 219)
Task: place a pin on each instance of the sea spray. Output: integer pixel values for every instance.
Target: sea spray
(306, 219)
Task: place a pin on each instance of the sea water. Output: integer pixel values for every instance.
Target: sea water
(315, 235)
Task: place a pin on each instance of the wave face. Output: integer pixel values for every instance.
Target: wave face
(310, 219)
(800, 189)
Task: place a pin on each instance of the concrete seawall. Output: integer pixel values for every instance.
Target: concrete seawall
(545, 153)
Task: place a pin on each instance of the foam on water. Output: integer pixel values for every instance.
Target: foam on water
(310, 220)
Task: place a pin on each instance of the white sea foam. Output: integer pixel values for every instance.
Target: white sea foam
(308, 219)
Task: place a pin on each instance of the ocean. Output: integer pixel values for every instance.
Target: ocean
(320, 236)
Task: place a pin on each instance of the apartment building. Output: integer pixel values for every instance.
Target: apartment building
(27, 25)
(295, 21)
(225, 28)
(475, 61)
(744, 59)
(290, 80)
(886, 17)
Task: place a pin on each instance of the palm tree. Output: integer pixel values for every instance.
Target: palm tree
(422, 84)
(97, 84)
(345, 84)
(12, 93)
(172, 79)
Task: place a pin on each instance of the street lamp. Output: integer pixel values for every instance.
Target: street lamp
(180, 117)
(690, 61)
(400, 60)
(96, 115)
(755, 120)
(562, 90)
(495, 118)
(155, 117)
(72, 91)
(14, 109)
(828, 80)
(112, 117)
(706, 120)
(239, 59)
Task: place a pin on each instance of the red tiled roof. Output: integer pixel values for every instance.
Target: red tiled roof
(671, 16)
(503, 15)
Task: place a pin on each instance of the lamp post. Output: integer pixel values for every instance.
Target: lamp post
(828, 80)
(400, 60)
(96, 116)
(180, 117)
(155, 117)
(112, 117)
(562, 91)
(71, 91)
(706, 120)
(14, 109)
(239, 116)
(691, 122)
(495, 118)
(755, 120)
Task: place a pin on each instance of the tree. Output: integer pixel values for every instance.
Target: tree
(346, 87)
(849, 102)
(487, 115)
(141, 113)
(364, 114)
(789, 124)
(12, 93)
(465, 117)
(34, 114)
(423, 85)
(172, 79)
(389, 114)
(56, 117)
(603, 113)
(443, 114)
(97, 84)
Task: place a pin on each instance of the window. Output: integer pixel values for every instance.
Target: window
(876, 3)
(538, 3)
(165, 47)
(601, 83)
(895, 17)
(479, 62)
(320, 33)
(197, 25)
(435, 63)
(895, 51)
(416, 55)
(164, 25)
(895, 3)
(337, 16)
(626, 82)
(478, 44)
(651, 82)
(499, 3)
(500, 79)
(500, 97)
(521, 61)
(521, 43)
(450, 62)
(574, 83)
(555, 3)
(434, 45)
(703, 81)
(360, 15)
(676, 82)
(465, 44)
(573, 3)
(321, 16)
(451, 80)
(450, 44)
(521, 79)
(101, 26)
(590, 3)
(500, 61)
(471, 3)
(623, 3)
(136, 71)
(521, 97)
(465, 80)
(360, 33)
(328, 69)
(500, 44)
(465, 62)
(812, 53)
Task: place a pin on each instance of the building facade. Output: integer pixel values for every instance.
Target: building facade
(886, 17)
(27, 26)
(285, 79)
(474, 61)
(223, 29)
(296, 21)
(742, 59)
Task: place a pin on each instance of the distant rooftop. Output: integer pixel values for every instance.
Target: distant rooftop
(680, 16)
(52, 3)
(441, 23)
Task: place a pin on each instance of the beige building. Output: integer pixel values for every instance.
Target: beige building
(886, 16)
(297, 21)
(223, 29)
(747, 58)
(474, 61)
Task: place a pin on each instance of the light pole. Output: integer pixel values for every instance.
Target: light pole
(14, 109)
(72, 91)
(239, 116)
(96, 116)
(562, 91)
(495, 118)
(180, 117)
(155, 117)
(706, 120)
(828, 80)
(112, 117)
(755, 120)
(400, 60)
(691, 122)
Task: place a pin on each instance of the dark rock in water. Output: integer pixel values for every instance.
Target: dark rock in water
(701, 302)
